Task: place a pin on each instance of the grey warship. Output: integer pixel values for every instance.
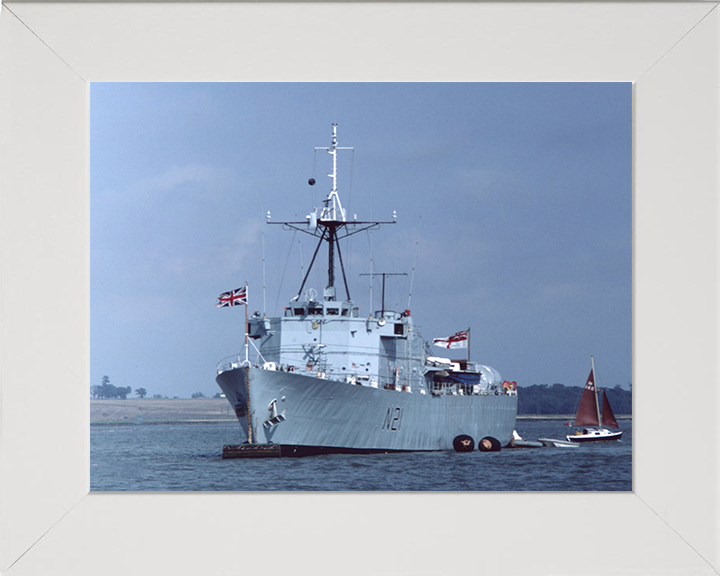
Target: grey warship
(322, 378)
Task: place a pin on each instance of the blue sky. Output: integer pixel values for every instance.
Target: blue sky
(514, 201)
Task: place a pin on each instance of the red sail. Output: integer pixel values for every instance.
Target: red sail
(587, 414)
(608, 418)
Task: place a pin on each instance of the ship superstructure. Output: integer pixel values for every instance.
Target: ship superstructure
(325, 378)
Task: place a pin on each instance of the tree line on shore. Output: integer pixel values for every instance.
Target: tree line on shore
(107, 391)
(540, 399)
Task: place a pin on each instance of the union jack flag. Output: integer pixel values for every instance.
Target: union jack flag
(233, 298)
(457, 340)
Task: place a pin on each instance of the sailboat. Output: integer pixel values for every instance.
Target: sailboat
(588, 414)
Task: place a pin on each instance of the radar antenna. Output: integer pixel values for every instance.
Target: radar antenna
(383, 274)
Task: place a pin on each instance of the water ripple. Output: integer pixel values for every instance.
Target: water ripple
(188, 458)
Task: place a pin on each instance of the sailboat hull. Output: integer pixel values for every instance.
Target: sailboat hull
(594, 435)
(306, 414)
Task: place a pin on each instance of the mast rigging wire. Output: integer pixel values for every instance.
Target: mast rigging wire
(282, 278)
(262, 233)
(412, 276)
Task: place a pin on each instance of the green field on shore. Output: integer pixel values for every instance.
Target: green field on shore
(160, 410)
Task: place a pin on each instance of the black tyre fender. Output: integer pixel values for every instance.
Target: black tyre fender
(463, 443)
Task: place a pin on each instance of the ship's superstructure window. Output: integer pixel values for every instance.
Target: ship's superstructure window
(399, 329)
(332, 311)
(315, 311)
(299, 311)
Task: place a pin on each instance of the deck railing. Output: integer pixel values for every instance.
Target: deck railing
(229, 363)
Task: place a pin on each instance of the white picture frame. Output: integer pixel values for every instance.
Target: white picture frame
(50, 522)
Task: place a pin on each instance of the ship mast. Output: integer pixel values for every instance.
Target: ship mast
(597, 403)
(330, 225)
(333, 217)
(333, 210)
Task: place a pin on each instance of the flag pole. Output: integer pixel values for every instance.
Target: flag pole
(468, 358)
(247, 351)
(247, 368)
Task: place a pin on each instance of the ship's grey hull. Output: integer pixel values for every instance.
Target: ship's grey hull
(320, 415)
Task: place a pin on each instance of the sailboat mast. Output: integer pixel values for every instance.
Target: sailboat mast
(597, 404)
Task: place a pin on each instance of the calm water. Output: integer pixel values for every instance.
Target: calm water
(188, 457)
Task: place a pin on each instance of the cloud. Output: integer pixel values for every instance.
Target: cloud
(177, 176)
(228, 259)
(133, 309)
(194, 179)
(558, 292)
(478, 181)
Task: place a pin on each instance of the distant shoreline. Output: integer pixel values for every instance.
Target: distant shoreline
(144, 411)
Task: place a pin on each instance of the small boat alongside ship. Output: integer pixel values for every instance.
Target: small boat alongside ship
(554, 443)
(589, 415)
(519, 442)
(327, 379)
